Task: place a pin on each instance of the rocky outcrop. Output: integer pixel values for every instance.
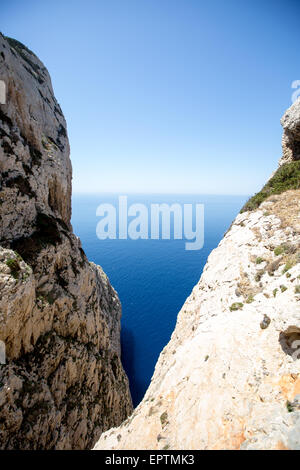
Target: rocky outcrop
(230, 376)
(63, 383)
(291, 134)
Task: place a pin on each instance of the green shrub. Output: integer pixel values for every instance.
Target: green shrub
(279, 250)
(288, 266)
(286, 177)
(289, 407)
(285, 248)
(14, 267)
(283, 288)
(259, 260)
(236, 306)
(297, 289)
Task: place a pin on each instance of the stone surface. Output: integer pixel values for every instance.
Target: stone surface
(63, 383)
(291, 134)
(230, 376)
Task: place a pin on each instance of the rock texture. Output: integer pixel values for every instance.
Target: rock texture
(291, 134)
(63, 383)
(230, 376)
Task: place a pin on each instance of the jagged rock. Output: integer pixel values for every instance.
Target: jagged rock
(225, 380)
(63, 383)
(291, 134)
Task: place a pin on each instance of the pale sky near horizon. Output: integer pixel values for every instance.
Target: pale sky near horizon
(176, 96)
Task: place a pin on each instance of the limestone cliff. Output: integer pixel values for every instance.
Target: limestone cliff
(230, 376)
(63, 383)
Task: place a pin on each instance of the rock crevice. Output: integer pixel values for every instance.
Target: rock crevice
(230, 376)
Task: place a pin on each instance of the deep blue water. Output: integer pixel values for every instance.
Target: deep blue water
(152, 277)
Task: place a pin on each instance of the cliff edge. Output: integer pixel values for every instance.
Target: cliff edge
(63, 383)
(230, 376)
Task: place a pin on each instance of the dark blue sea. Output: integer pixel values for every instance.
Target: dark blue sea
(152, 277)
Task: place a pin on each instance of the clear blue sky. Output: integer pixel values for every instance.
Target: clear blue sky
(166, 95)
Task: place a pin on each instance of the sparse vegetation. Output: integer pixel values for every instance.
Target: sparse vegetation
(288, 266)
(275, 292)
(285, 248)
(279, 250)
(14, 267)
(259, 260)
(250, 299)
(289, 406)
(236, 306)
(164, 419)
(297, 289)
(283, 288)
(287, 255)
(286, 177)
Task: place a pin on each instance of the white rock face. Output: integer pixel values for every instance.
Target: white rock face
(230, 376)
(63, 383)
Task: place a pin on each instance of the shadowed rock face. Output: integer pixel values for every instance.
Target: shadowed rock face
(63, 383)
(291, 134)
(230, 376)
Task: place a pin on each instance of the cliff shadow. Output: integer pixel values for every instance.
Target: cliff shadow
(128, 352)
